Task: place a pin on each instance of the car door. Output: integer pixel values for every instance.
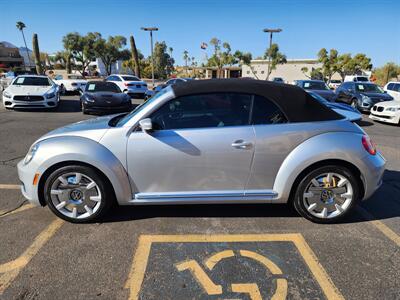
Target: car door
(345, 92)
(200, 145)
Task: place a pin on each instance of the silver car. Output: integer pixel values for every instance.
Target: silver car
(207, 141)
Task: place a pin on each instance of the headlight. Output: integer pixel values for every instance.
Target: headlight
(6, 94)
(31, 153)
(50, 94)
(88, 98)
(393, 109)
(365, 99)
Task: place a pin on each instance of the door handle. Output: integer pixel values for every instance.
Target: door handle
(240, 144)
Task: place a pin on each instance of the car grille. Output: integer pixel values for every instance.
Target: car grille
(378, 108)
(28, 98)
(383, 117)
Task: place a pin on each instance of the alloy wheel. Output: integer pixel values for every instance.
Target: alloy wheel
(328, 195)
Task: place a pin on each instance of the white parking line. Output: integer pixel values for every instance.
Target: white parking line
(10, 187)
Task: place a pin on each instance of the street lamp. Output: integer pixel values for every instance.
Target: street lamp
(271, 32)
(151, 29)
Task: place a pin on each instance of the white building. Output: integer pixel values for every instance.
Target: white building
(290, 71)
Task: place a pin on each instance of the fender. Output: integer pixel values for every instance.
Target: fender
(72, 148)
(333, 145)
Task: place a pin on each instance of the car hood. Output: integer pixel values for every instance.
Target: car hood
(28, 89)
(383, 96)
(392, 103)
(342, 106)
(349, 115)
(327, 94)
(93, 129)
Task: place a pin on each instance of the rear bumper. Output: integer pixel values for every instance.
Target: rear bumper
(374, 167)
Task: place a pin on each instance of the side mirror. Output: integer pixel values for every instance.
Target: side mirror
(146, 124)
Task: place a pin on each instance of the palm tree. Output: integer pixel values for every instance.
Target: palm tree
(186, 58)
(20, 25)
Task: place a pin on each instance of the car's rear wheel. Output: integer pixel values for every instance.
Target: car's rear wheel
(327, 194)
(77, 193)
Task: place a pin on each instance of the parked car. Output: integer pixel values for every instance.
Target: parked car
(104, 97)
(361, 95)
(393, 89)
(388, 112)
(317, 86)
(278, 80)
(151, 93)
(334, 84)
(356, 78)
(351, 113)
(73, 83)
(31, 91)
(131, 85)
(204, 142)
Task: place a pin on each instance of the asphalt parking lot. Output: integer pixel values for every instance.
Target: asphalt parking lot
(193, 252)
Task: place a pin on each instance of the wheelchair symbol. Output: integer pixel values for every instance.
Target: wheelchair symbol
(251, 289)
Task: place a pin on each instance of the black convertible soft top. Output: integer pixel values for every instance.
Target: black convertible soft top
(295, 103)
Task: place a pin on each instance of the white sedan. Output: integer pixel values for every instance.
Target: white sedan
(393, 89)
(31, 91)
(131, 85)
(73, 83)
(386, 111)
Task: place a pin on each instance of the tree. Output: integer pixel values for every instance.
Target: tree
(81, 48)
(244, 58)
(65, 58)
(110, 50)
(20, 25)
(329, 63)
(186, 59)
(135, 56)
(275, 56)
(315, 74)
(220, 58)
(347, 65)
(387, 72)
(163, 63)
(36, 53)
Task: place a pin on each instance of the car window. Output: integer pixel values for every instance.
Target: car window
(203, 110)
(266, 112)
(365, 87)
(315, 85)
(130, 78)
(102, 86)
(363, 79)
(36, 81)
(396, 87)
(390, 86)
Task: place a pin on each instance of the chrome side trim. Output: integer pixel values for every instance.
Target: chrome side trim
(252, 196)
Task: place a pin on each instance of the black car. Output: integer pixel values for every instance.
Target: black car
(361, 95)
(104, 98)
(317, 86)
(151, 93)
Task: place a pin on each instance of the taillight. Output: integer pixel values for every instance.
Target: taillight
(126, 84)
(368, 144)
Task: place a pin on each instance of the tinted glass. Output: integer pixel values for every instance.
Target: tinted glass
(266, 112)
(364, 87)
(205, 110)
(364, 79)
(102, 86)
(36, 81)
(396, 87)
(314, 85)
(390, 86)
(130, 78)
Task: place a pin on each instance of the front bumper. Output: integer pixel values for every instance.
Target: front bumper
(386, 117)
(107, 109)
(26, 174)
(47, 103)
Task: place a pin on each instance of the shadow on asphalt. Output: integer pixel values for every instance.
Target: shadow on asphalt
(384, 204)
(364, 123)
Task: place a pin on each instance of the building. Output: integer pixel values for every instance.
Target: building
(27, 55)
(209, 72)
(292, 70)
(10, 56)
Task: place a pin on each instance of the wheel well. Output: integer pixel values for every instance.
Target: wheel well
(352, 168)
(51, 169)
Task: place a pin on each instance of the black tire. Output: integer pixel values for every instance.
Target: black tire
(354, 103)
(305, 181)
(107, 200)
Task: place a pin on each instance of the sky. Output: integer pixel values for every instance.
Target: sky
(353, 26)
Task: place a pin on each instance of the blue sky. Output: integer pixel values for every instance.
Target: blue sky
(370, 27)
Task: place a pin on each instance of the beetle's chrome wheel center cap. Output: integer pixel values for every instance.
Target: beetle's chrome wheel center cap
(76, 196)
(327, 196)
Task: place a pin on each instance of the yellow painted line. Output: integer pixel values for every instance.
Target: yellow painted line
(201, 277)
(262, 260)
(22, 208)
(214, 259)
(389, 233)
(247, 288)
(138, 269)
(10, 187)
(11, 269)
(281, 289)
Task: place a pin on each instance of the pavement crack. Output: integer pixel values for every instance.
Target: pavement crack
(7, 162)
(13, 209)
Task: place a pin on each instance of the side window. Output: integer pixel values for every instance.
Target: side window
(390, 86)
(266, 112)
(116, 78)
(203, 110)
(396, 87)
(110, 78)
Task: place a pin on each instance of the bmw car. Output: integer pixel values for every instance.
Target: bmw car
(102, 97)
(205, 142)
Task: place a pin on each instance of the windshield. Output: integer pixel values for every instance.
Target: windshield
(36, 81)
(361, 79)
(315, 85)
(130, 78)
(102, 86)
(371, 88)
(142, 106)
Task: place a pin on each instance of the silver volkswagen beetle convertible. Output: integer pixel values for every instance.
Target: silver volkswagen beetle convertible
(208, 141)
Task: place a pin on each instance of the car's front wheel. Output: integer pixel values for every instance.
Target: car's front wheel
(77, 193)
(326, 194)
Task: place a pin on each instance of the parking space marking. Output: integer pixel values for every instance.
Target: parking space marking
(11, 269)
(389, 233)
(141, 257)
(10, 187)
(4, 213)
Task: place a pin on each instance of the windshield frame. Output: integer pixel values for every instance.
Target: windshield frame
(14, 82)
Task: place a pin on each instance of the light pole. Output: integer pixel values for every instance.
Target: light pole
(271, 32)
(151, 29)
